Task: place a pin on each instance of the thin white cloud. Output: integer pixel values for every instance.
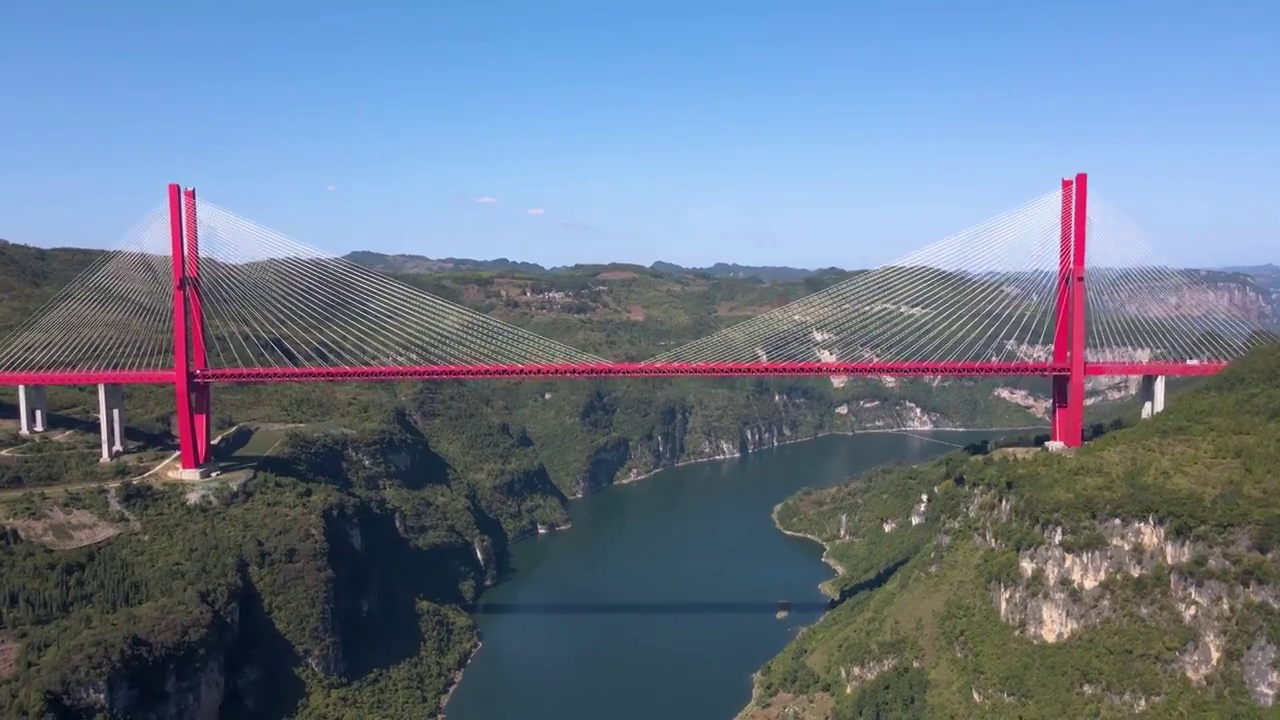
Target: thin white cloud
(330, 188)
(537, 211)
(486, 200)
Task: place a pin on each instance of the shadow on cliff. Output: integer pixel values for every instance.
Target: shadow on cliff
(56, 423)
(377, 593)
(354, 461)
(872, 583)
(260, 678)
(231, 443)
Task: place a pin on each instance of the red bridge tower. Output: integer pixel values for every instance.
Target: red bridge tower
(1069, 322)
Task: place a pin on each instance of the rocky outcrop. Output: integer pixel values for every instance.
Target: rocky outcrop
(897, 415)
(235, 655)
(487, 558)
(857, 675)
(1034, 404)
(603, 466)
(623, 460)
(193, 691)
(1240, 295)
(188, 682)
(1262, 672)
(918, 510)
(687, 433)
(1060, 592)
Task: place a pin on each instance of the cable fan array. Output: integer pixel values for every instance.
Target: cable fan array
(987, 295)
(117, 314)
(270, 301)
(984, 294)
(1139, 310)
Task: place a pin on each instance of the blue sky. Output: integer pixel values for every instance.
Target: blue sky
(805, 133)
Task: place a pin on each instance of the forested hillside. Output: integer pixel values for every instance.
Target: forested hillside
(1141, 573)
(324, 573)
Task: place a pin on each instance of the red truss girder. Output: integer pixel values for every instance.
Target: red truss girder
(1180, 369)
(462, 372)
(620, 370)
(660, 370)
(88, 377)
(603, 370)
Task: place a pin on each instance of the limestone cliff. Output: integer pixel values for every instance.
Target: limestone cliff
(344, 559)
(1140, 574)
(687, 434)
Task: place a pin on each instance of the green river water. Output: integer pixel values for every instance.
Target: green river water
(661, 600)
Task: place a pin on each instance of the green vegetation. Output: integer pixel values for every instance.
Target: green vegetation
(330, 579)
(323, 574)
(1142, 571)
(625, 428)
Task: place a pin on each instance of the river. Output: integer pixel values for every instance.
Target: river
(661, 600)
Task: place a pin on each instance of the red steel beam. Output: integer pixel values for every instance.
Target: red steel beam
(88, 377)
(620, 370)
(1156, 367)
(477, 372)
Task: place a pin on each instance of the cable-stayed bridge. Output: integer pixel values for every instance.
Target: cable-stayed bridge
(197, 295)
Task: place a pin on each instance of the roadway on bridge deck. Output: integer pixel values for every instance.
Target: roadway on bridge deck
(611, 370)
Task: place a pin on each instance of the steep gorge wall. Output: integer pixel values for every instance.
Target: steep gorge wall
(1059, 593)
(239, 660)
(402, 523)
(690, 435)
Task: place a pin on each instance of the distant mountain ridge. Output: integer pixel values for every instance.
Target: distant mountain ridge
(1267, 269)
(1267, 276)
(1253, 290)
(420, 264)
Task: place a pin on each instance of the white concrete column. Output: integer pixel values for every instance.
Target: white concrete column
(111, 420)
(24, 412)
(117, 418)
(1152, 395)
(104, 422)
(39, 410)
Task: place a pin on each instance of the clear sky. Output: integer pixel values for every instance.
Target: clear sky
(803, 133)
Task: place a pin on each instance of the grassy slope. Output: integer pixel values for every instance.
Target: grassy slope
(1204, 470)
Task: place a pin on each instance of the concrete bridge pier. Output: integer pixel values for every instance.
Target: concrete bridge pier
(111, 420)
(1152, 395)
(33, 412)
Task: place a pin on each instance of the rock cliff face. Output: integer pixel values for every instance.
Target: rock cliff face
(192, 683)
(685, 436)
(622, 460)
(241, 651)
(1203, 293)
(1243, 296)
(1059, 592)
(1055, 596)
(1139, 574)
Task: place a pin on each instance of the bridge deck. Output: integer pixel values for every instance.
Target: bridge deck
(603, 370)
